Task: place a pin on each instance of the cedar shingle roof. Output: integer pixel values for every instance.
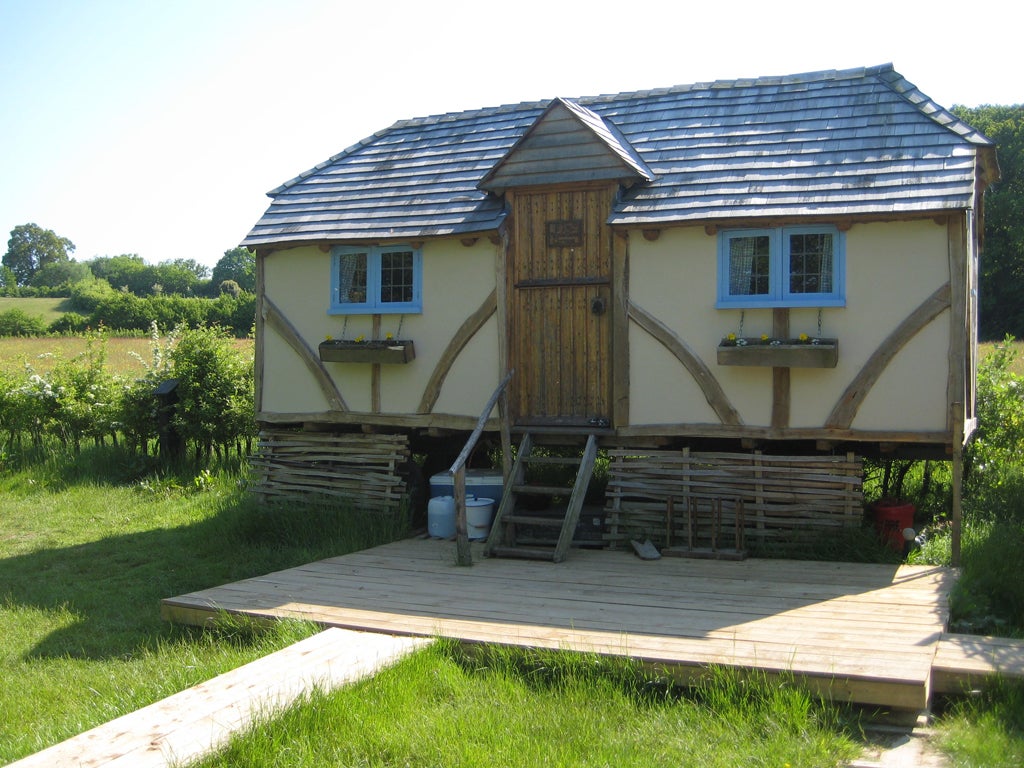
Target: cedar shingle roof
(834, 143)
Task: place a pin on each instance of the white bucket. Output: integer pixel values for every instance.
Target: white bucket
(441, 517)
(479, 513)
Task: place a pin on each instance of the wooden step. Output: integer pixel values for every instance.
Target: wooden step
(548, 522)
(567, 461)
(527, 553)
(542, 490)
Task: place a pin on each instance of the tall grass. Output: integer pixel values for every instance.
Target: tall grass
(986, 729)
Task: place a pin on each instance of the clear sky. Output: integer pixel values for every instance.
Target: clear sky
(156, 127)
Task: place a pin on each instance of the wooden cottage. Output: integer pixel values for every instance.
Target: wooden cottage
(737, 288)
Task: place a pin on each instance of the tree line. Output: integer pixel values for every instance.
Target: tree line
(123, 293)
(38, 262)
(1002, 254)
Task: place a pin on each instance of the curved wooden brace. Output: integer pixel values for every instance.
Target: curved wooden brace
(849, 403)
(276, 320)
(466, 331)
(705, 379)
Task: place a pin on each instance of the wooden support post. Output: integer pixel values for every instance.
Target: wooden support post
(958, 478)
(691, 523)
(668, 522)
(506, 434)
(463, 554)
(780, 376)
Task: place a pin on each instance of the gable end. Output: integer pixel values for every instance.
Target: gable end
(568, 143)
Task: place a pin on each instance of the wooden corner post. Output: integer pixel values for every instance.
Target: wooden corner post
(958, 479)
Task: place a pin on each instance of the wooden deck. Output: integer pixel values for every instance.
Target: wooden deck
(852, 632)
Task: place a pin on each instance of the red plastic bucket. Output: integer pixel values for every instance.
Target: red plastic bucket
(890, 520)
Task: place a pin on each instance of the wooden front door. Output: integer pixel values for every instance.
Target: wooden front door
(559, 276)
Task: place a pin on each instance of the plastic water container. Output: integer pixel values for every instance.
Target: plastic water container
(441, 517)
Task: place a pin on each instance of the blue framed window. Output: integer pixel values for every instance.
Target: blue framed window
(376, 279)
(782, 267)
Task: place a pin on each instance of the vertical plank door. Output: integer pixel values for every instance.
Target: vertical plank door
(560, 290)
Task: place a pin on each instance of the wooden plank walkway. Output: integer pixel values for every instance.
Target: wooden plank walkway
(963, 662)
(854, 632)
(186, 726)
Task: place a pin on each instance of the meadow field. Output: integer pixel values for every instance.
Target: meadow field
(123, 352)
(48, 309)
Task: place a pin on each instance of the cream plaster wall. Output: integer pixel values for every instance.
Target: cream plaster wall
(456, 280)
(890, 269)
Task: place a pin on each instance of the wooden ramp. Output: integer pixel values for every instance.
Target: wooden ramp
(852, 632)
(196, 721)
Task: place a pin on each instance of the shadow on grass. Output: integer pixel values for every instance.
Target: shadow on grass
(111, 588)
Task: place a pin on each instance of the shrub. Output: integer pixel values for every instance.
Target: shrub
(68, 323)
(215, 390)
(16, 322)
(86, 398)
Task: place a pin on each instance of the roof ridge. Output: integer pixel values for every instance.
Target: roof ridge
(931, 109)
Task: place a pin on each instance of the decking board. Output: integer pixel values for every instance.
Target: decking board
(860, 632)
(966, 661)
(190, 724)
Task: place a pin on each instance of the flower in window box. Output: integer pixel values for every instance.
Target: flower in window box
(764, 338)
(359, 339)
(389, 337)
(329, 338)
(803, 338)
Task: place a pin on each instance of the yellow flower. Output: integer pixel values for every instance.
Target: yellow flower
(803, 337)
(389, 336)
(360, 337)
(764, 337)
(731, 337)
(329, 337)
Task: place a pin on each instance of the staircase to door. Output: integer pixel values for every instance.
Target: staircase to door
(514, 517)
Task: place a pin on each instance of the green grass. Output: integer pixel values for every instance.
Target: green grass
(48, 309)
(442, 707)
(986, 729)
(87, 551)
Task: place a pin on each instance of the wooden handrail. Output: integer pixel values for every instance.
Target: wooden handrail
(458, 469)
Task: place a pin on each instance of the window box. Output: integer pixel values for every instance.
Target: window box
(791, 353)
(389, 351)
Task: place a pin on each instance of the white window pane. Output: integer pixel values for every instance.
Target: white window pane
(749, 264)
(352, 278)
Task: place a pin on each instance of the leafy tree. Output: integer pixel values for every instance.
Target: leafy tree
(238, 264)
(8, 281)
(1002, 258)
(179, 276)
(61, 273)
(127, 271)
(31, 248)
